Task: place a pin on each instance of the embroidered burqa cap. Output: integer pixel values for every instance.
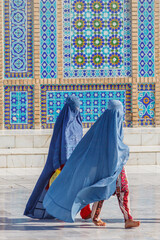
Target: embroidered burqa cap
(66, 135)
(91, 172)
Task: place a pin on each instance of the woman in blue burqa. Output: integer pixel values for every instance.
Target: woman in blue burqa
(66, 135)
(90, 174)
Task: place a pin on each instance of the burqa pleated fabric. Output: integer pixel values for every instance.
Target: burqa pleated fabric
(91, 172)
(67, 133)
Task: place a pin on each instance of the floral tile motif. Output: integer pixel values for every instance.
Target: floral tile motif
(48, 40)
(19, 108)
(96, 38)
(94, 100)
(18, 53)
(146, 36)
(146, 104)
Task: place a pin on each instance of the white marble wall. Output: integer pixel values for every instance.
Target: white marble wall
(25, 139)
(142, 136)
(29, 148)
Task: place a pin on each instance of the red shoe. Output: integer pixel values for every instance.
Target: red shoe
(86, 212)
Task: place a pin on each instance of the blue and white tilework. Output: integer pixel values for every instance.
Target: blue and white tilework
(146, 104)
(48, 40)
(96, 38)
(19, 108)
(146, 36)
(93, 103)
(94, 100)
(18, 54)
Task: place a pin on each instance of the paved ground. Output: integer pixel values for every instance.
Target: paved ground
(17, 184)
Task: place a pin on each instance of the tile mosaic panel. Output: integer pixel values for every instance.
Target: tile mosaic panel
(18, 54)
(18, 107)
(48, 39)
(146, 104)
(94, 100)
(96, 38)
(146, 36)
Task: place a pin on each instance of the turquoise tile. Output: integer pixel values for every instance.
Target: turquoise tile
(18, 107)
(146, 104)
(96, 38)
(18, 52)
(146, 36)
(48, 38)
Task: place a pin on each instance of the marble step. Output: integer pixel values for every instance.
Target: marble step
(36, 157)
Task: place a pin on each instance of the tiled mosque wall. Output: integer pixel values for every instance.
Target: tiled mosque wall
(96, 49)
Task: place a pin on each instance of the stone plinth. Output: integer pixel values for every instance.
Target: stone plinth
(29, 148)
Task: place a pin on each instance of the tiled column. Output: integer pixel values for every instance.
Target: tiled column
(157, 55)
(134, 105)
(134, 62)
(59, 41)
(157, 35)
(157, 104)
(1, 68)
(134, 40)
(36, 63)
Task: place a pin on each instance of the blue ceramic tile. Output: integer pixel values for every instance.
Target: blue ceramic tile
(18, 107)
(18, 54)
(146, 104)
(48, 40)
(146, 36)
(96, 38)
(94, 100)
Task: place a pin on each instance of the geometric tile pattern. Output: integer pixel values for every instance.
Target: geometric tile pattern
(146, 104)
(96, 38)
(18, 55)
(18, 107)
(94, 101)
(48, 38)
(146, 36)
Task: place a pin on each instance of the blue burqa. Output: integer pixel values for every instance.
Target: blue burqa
(66, 135)
(91, 172)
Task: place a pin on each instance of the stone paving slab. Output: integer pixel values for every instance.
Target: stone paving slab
(17, 184)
